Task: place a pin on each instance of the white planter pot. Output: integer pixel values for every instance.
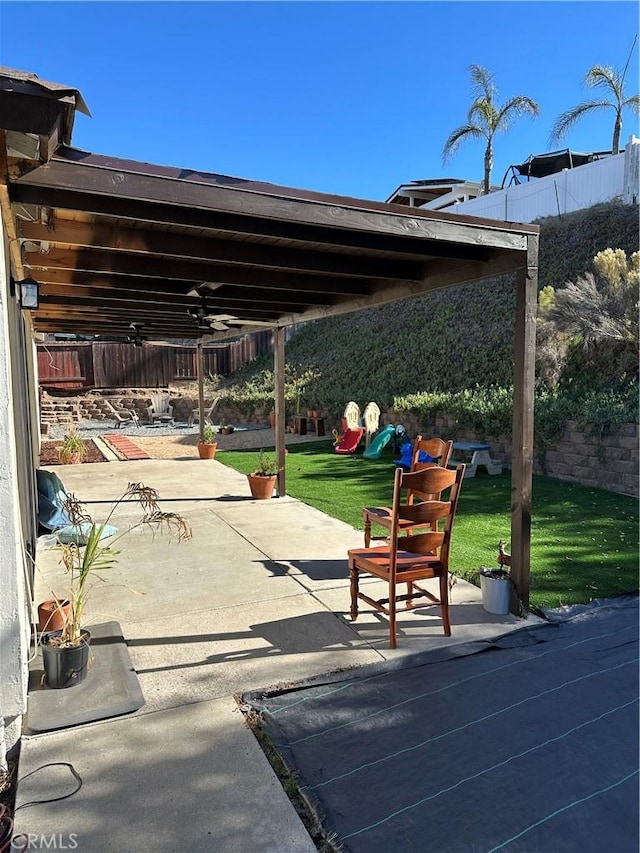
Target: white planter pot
(496, 592)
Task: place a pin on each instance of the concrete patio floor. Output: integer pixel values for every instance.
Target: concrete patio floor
(259, 597)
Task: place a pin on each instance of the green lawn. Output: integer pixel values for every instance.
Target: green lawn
(584, 541)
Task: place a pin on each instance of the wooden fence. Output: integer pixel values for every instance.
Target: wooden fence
(79, 365)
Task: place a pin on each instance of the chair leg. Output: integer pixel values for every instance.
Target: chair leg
(353, 575)
(367, 531)
(444, 603)
(392, 615)
(410, 591)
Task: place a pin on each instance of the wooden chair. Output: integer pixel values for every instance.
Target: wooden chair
(440, 452)
(160, 408)
(194, 417)
(122, 416)
(411, 558)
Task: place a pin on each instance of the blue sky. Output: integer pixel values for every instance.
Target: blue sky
(352, 98)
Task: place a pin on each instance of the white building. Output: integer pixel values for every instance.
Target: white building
(562, 187)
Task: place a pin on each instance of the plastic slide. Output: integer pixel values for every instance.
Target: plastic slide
(406, 455)
(378, 444)
(350, 441)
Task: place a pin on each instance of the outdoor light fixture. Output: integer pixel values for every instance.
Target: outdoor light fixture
(28, 294)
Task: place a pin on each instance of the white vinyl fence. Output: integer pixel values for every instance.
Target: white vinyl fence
(572, 189)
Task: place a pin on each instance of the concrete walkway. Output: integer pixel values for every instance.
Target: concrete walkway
(259, 597)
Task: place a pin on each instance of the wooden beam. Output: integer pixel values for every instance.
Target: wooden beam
(99, 261)
(134, 308)
(200, 371)
(278, 373)
(70, 233)
(127, 186)
(522, 440)
(6, 212)
(149, 286)
(440, 275)
(339, 239)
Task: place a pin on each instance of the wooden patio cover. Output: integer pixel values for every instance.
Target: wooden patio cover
(124, 248)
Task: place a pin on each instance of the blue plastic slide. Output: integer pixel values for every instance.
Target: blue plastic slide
(374, 451)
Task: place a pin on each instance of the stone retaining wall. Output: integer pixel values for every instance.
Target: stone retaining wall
(612, 463)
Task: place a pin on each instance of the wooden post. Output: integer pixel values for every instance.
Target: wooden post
(278, 371)
(200, 372)
(522, 430)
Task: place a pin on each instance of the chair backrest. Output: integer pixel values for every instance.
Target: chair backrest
(116, 415)
(435, 512)
(159, 403)
(351, 415)
(438, 449)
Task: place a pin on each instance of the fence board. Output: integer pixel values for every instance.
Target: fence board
(112, 364)
(68, 365)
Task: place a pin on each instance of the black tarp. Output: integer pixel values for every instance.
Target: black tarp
(541, 165)
(527, 743)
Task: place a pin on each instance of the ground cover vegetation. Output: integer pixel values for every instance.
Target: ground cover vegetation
(584, 541)
(451, 351)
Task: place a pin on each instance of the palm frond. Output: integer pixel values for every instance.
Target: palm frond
(603, 77)
(453, 142)
(633, 103)
(565, 122)
(482, 82)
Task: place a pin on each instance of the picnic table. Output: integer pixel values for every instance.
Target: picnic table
(302, 421)
(474, 453)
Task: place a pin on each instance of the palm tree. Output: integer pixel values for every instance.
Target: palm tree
(612, 82)
(486, 118)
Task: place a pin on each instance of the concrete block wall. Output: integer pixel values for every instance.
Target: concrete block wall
(612, 463)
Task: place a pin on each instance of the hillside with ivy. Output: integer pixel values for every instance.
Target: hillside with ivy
(452, 350)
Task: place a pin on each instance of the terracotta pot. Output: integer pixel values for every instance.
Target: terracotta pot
(68, 458)
(207, 450)
(49, 616)
(261, 487)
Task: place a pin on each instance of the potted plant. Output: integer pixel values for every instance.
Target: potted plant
(207, 445)
(73, 449)
(65, 652)
(262, 481)
(496, 584)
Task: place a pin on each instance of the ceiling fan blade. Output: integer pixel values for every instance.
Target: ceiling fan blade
(201, 287)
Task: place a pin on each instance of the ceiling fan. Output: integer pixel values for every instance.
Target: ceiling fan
(208, 321)
(138, 339)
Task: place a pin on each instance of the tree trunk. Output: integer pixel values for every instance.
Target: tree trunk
(617, 129)
(488, 166)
